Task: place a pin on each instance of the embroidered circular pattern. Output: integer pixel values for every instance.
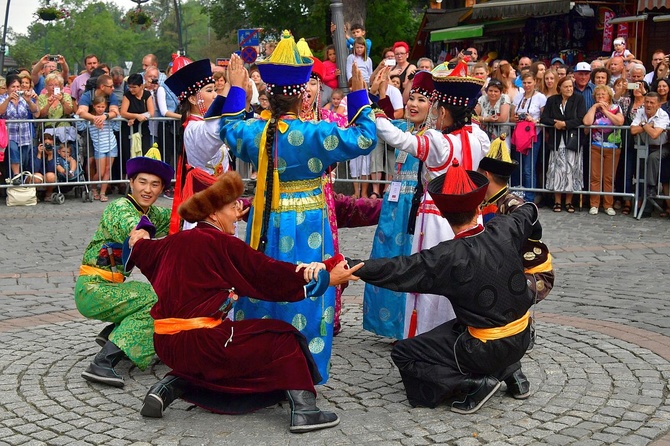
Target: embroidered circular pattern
(363, 142)
(316, 345)
(314, 240)
(257, 140)
(299, 217)
(286, 244)
(296, 138)
(381, 236)
(239, 315)
(329, 315)
(400, 239)
(239, 144)
(315, 165)
(299, 322)
(384, 314)
(281, 165)
(331, 142)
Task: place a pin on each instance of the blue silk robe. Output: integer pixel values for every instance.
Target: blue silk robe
(298, 228)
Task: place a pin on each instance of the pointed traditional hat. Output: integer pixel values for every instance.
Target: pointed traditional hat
(286, 71)
(458, 190)
(457, 88)
(497, 160)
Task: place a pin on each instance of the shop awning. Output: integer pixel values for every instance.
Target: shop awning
(520, 8)
(456, 33)
(648, 5)
(629, 19)
(445, 18)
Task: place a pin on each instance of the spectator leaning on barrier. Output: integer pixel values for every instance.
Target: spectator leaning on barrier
(118, 78)
(605, 150)
(14, 105)
(652, 122)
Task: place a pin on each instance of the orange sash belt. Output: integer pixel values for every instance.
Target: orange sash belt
(173, 325)
(491, 334)
(542, 267)
(87, 270)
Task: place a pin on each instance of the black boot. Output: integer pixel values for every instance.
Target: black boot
(481, 390)
(160, 396)
(518, 385)
(103, 336)
(305, 416)
(101, 370)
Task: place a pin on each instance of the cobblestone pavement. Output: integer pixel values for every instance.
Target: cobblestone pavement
(599, 370)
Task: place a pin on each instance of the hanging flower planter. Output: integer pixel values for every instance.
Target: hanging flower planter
(139, 18)
(51, 13)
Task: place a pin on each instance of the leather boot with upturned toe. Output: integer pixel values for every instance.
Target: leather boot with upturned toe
(518, 385)
(305, 416)
(482, 389)
(160, 395)
(101, 370)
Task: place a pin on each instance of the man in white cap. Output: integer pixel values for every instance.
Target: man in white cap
(583, 84)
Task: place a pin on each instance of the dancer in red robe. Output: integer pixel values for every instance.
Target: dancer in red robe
(222, 365)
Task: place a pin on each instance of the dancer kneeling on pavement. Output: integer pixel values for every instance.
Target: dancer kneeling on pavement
(102, 291)
(481, 272)
(222, 365)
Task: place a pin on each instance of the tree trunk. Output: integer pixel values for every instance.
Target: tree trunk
(355, 11)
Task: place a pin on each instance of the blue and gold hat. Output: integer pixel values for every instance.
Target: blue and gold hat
(286, 71)
(457, 88)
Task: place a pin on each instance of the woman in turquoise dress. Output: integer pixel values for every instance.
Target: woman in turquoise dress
(383, 309)
(289, 219)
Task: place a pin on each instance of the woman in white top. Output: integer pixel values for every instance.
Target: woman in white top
(528, 107)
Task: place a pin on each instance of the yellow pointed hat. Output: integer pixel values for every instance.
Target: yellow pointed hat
(498, 160)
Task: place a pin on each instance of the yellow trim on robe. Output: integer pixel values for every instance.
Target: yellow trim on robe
(542, 267)
(491, 334)
(87, 270)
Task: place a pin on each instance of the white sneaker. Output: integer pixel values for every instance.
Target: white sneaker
(593, 211)
(610, 211)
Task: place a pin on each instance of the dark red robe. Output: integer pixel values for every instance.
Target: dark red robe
(192, 273)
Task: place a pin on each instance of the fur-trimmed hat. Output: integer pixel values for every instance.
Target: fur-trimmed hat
(227, 188)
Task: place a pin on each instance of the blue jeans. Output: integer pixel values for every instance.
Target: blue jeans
(529, 168)
(21, 155)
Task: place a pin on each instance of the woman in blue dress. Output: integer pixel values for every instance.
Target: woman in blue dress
(383, 309)
(289, 219)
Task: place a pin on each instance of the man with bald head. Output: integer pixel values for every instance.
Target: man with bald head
(523, 65)
(150, 60)
(616, 68)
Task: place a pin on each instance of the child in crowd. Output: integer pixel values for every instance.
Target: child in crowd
(621, 51)
(357, 31)
(335, 100)
(395, 80)
(105, 148)
(66, 165)
(330, 68)
(360, 58)
(44, 164)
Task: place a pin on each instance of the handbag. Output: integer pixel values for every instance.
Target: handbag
(4, 139)
(21, 195)
(524, 136)
(136, 145)
(572, 142)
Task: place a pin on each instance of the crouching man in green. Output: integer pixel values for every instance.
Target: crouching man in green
(102, 291)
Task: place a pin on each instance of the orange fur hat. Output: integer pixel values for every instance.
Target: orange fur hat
(227, 188)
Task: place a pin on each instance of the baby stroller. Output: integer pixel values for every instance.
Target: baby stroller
(73, 141)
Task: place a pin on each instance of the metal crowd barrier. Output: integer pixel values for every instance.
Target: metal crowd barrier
(165, 132)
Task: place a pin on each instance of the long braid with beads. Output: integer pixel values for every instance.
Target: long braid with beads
(280, 105)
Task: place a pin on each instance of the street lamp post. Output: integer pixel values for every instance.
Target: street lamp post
(177, 12)
(336, 8)
(3, 47)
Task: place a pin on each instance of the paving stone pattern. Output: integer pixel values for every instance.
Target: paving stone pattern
(599, 371)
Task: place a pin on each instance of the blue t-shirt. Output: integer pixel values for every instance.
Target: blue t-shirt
(87, 98)
(350, 45)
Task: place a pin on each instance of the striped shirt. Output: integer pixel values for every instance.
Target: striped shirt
(21, 133)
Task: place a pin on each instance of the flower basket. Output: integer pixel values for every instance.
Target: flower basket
(139, 18)
(50, 13)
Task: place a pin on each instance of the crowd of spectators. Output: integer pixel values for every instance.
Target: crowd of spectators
(563, 157)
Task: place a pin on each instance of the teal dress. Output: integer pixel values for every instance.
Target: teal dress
(383, 309)
(298, 228)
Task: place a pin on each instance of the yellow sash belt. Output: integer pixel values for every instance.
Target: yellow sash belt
(173, 325)
(87, 270)
(491, 334)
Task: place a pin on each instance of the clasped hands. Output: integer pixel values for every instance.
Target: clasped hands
(340, 274)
